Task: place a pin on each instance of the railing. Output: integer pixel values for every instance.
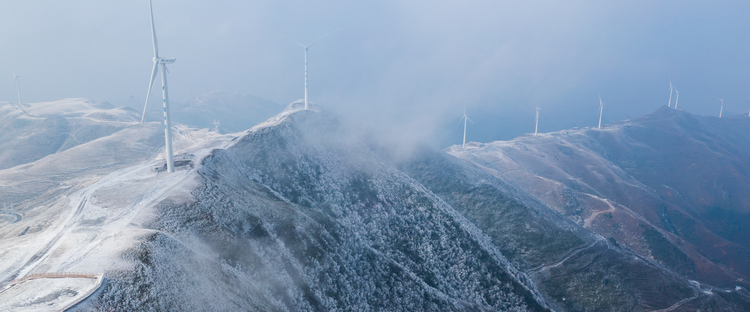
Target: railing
(99, 280)
(55, 275)
(98, 276)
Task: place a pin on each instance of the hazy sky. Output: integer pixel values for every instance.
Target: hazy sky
(408, 66)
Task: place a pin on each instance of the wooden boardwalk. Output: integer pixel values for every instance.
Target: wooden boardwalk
(98, 276)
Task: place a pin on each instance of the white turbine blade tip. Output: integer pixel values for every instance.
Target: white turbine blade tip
(326, 35)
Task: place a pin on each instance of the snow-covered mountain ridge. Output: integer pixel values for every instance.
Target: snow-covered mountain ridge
(302, 213)
(671, 186)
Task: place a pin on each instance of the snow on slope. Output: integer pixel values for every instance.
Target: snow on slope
(622, 181)
(80, 207)
(43, 129)
(298, 215)
(80, 108)
(161, 232)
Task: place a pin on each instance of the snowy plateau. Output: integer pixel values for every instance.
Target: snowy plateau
(302, 213)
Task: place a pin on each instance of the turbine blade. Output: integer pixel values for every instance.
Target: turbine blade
(150, 86)
(299, 44)
(467, 118)
(153, 29)
(310, 45)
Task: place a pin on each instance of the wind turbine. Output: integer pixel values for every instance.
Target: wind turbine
(677, 99)
(601, 109)
(671, 87)
(216, 124)
(722, 107)
(307, 47)
(18, 88)
(465, 119)
(537, 120)
(163, 61)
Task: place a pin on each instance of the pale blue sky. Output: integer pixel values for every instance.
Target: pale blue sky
(406, 65)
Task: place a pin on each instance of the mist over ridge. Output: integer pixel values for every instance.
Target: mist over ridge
(410, 67)
(391, 166)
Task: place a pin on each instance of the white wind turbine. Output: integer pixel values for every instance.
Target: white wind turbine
(601, 109)
(18, 88)
(537, 120)
(465, 118)
(722, 107)
(163, 61)
(671, 87)
(677, 99)
(307, 47)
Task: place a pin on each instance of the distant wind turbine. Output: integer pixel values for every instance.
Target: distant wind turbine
(601, 109)
(671, 87)
(307, 47)
(216, 124)
(677, 99)
(466, 118)
(163, 61)
(722, 107)
(536, 128)
(18, 88)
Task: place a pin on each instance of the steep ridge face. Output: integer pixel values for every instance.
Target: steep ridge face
(670, 186)
(300, 214)
(575, 269)
(296, 215)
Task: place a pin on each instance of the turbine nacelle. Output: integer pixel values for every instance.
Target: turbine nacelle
(163, 60)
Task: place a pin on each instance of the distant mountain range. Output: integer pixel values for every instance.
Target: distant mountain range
(234, 112)
(671, 186)
(301, 212)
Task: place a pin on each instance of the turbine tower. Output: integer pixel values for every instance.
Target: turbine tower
(465, 119)
(307, 47)
(722, 107)
(601, 109)
(671, 87)
(537, 120)
(677, 99)
(18, 88)
(163, 62)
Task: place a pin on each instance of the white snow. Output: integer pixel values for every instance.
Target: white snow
(93, 215)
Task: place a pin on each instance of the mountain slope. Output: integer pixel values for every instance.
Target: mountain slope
(41, 129)
(671, 186)
(302, 213)
(302, 223)
(575, 269)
